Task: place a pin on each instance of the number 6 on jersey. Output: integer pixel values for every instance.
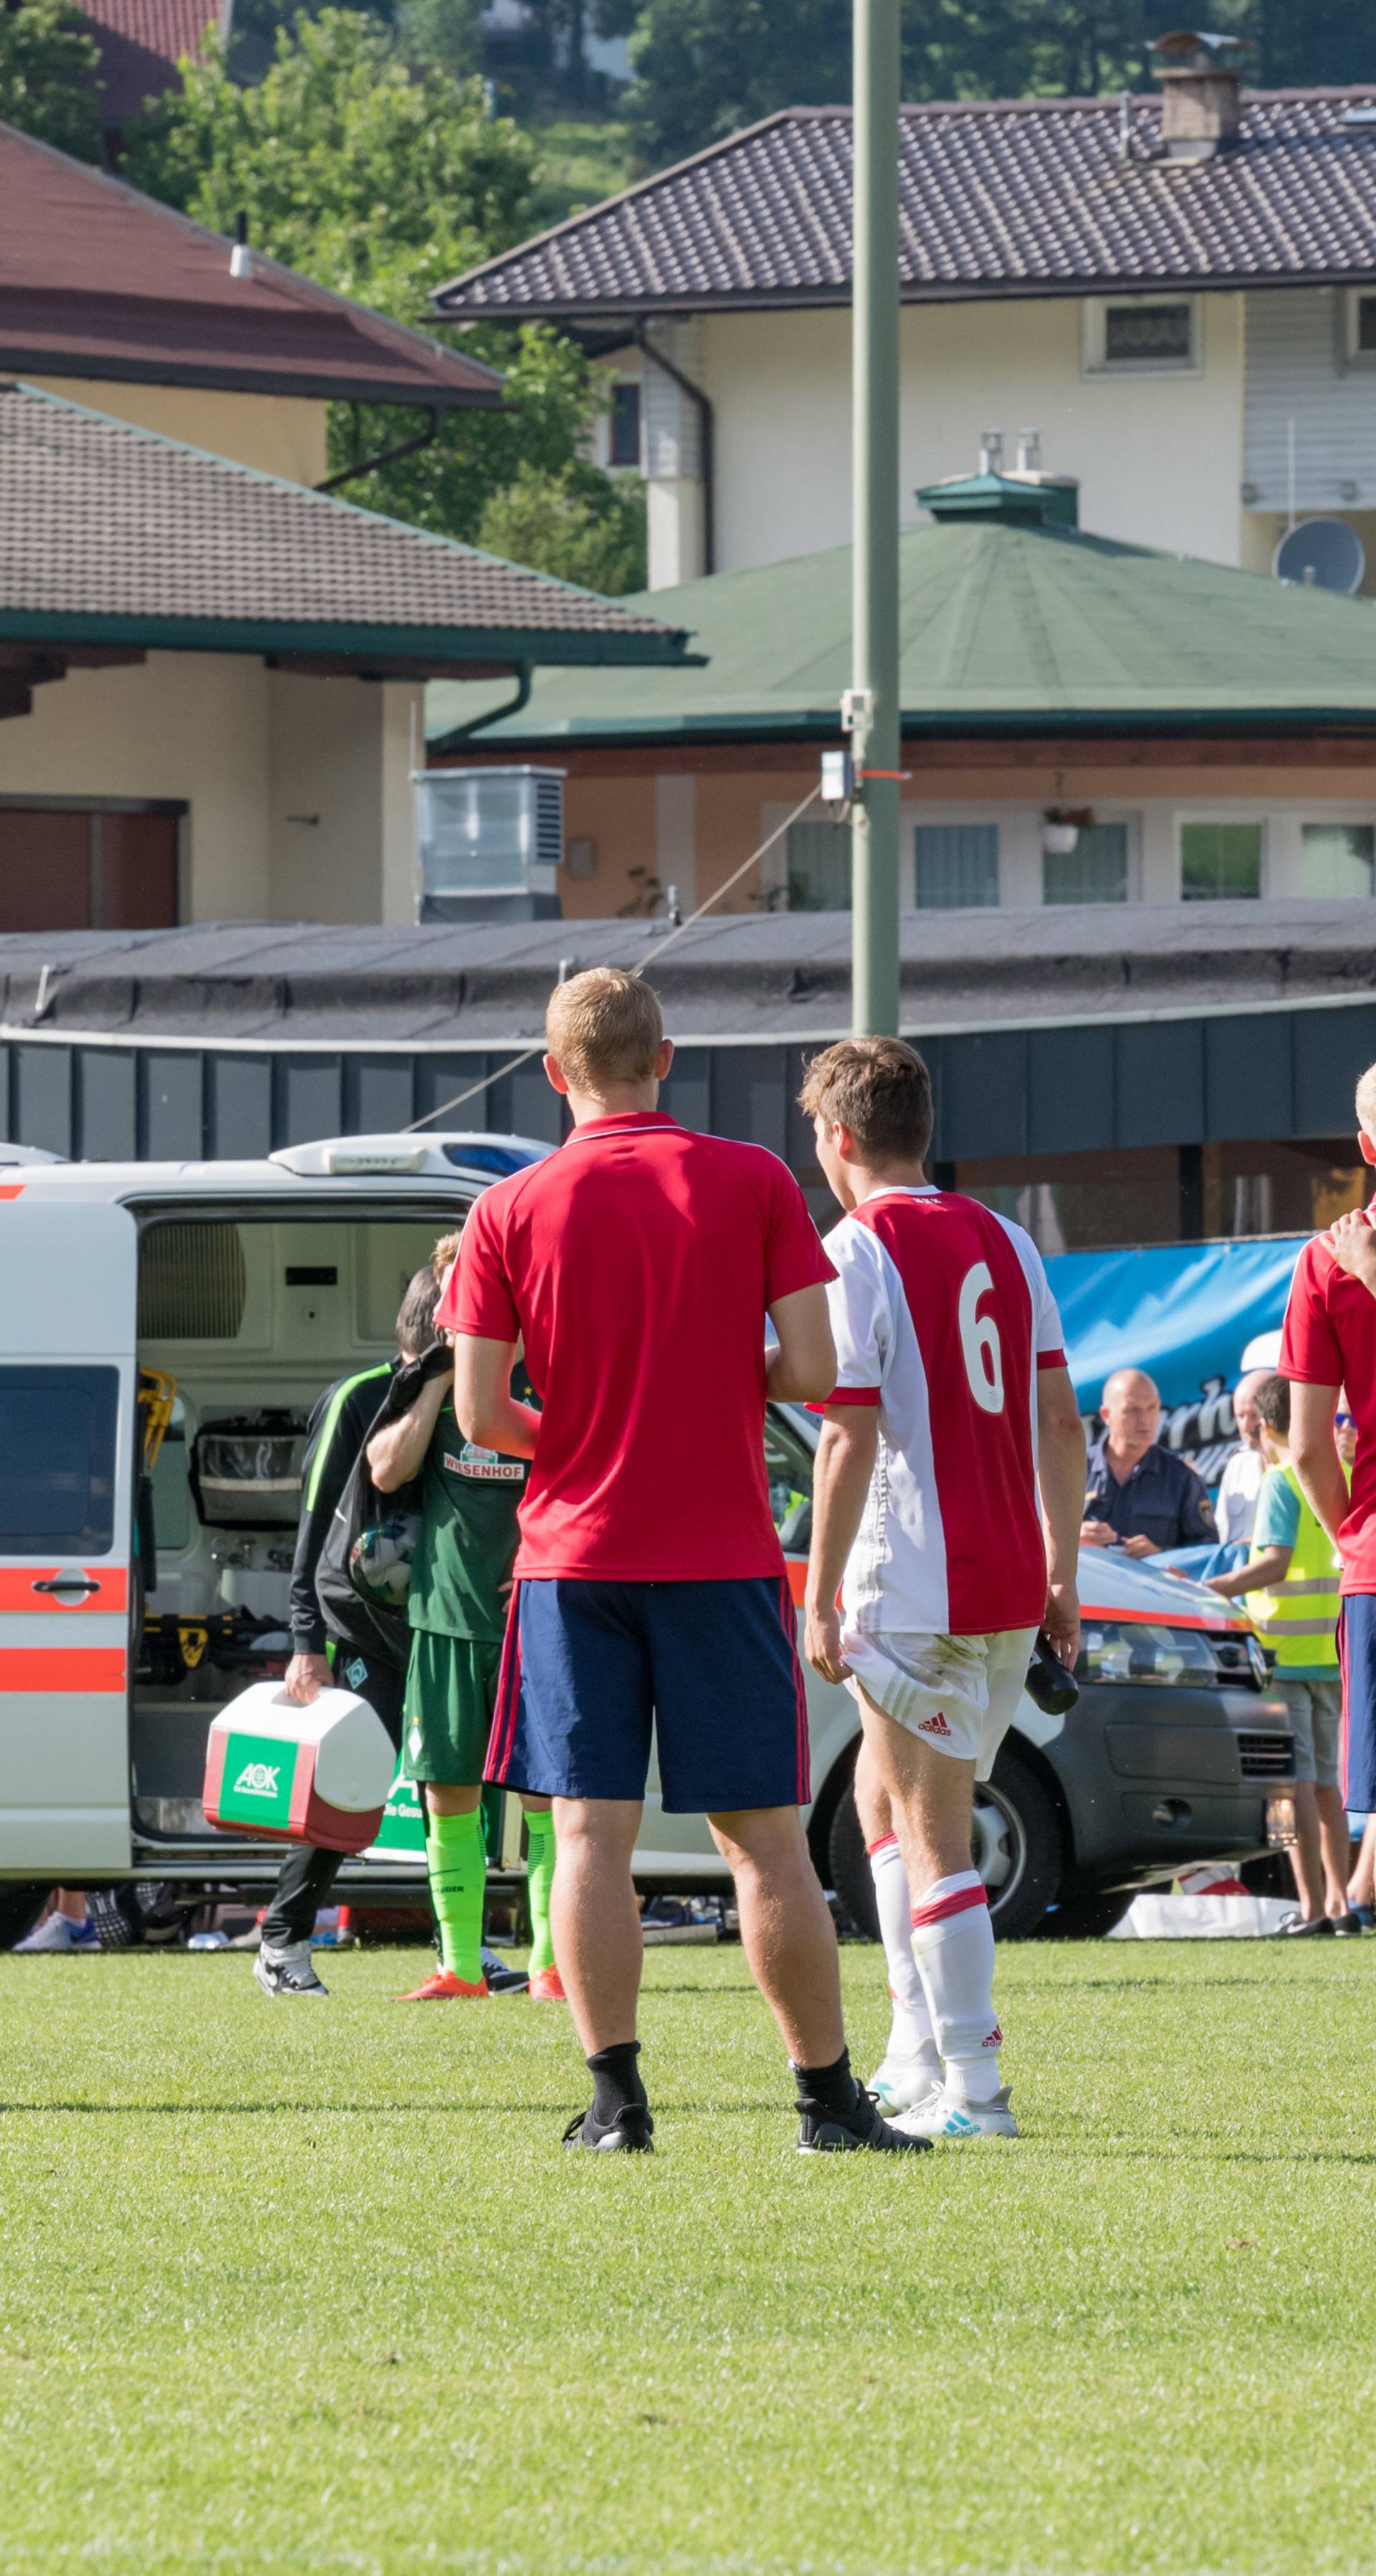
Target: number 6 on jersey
(979, 1341)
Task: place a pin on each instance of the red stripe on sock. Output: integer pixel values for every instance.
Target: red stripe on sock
(959, 1903)
(886, 1842)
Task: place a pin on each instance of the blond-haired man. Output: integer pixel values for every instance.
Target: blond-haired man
(1328, 1343)
(637, 1266)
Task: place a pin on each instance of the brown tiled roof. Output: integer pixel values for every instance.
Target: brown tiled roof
(98, 281)
(141, 43)
(1022, 197)
(110, 535)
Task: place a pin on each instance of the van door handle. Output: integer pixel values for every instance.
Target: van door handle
(67, 1583)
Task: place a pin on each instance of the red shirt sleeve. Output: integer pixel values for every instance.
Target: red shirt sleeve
(794, 1254)
(1309, 1347)
(478, 1298)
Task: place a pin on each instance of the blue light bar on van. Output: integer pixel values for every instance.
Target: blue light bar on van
(497, 1159)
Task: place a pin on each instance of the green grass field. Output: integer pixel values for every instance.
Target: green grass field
(313, 2287)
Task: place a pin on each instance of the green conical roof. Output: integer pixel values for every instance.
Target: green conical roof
(1004, 629)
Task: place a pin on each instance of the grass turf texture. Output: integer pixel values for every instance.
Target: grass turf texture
(312, 2286)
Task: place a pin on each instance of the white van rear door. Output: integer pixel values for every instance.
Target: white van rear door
(68, 1301)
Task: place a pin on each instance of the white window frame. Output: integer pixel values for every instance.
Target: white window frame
(1352, 355)
(1094, 312)
(1221, 813)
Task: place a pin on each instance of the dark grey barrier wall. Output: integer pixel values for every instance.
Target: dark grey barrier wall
(1094, 1086)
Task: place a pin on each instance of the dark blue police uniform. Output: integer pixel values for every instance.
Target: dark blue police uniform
(1161, 1498)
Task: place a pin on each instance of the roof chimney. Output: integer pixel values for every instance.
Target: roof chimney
(1201, 80)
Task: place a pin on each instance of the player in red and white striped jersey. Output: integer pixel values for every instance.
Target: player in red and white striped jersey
(947, 1504)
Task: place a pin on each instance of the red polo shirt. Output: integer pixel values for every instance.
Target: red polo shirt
(636, 1265)
(1330, 1340)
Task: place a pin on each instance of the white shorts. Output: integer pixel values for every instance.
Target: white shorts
(958, 1693)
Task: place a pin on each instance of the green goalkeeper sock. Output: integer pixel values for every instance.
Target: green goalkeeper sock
(539, 1880)
(457, 1858)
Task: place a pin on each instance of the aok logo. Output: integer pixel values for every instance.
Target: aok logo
(257, 1780)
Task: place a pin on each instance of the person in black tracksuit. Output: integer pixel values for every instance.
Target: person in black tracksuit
(338, 1427)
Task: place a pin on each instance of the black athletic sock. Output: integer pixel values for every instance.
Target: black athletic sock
(827, 2088)
(616, 2081)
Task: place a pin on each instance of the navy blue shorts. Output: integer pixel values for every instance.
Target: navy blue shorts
(591, 1670)
(1357, 1657)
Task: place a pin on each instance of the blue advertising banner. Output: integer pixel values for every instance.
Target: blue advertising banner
(1184, 1312)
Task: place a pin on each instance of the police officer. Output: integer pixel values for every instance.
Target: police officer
(1139, 1496)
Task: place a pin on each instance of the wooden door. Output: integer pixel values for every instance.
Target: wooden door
(69, 870)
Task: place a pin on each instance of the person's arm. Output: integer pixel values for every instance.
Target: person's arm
(1352, 1243)
(1270, 1566)
(1061, 1485)
(396, 1453)
(840, 1483)
(485, 1408)
(802, 1369)
(336, 1431)
(1314, 1453)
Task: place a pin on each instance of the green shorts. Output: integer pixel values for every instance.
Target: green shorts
(451, 1689)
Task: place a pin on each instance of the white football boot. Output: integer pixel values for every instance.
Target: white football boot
(943, 2116)
(902, 2083)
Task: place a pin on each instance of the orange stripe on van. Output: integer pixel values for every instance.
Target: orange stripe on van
(10, 1189)
(61, 1668)
(17, 1589)
(795, 1567)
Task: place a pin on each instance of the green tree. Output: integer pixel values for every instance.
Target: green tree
(381, 179)
(579, 524)
(704, 67)
(49, 75)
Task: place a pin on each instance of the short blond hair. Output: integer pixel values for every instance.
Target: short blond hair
(879, 1088)
(1366, 1101)
(444, 1256)
(604, 1026)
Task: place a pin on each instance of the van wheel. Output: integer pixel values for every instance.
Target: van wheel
(1016, 1843)
(21, 1902)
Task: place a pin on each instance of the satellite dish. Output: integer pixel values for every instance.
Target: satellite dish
(1323, 554)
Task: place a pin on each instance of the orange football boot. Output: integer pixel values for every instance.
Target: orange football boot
(444, 1987)
(547, 1986)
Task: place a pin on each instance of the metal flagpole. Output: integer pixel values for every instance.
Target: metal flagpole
(873, 707)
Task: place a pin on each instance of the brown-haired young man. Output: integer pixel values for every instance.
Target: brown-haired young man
(925, 1501)
(637, 1266)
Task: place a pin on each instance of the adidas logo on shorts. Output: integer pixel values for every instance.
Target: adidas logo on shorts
(934, 1725)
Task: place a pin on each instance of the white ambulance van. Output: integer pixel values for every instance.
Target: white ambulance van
(164, 1331)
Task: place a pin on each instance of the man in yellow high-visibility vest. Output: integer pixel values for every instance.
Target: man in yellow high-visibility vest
(1291, 1581)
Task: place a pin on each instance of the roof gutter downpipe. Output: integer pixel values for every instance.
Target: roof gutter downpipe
(494, 715)
(706, 425)
(387, 455)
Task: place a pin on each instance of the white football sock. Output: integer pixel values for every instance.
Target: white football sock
(911, 2034)
(954, 1942)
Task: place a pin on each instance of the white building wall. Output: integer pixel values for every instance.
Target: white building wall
(253, 754)
(671, 439)
(1159, 458)
(1298, 371)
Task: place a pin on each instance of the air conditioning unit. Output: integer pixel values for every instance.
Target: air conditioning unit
(489, 843)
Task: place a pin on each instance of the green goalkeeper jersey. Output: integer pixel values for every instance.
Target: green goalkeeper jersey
(468, 1536)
